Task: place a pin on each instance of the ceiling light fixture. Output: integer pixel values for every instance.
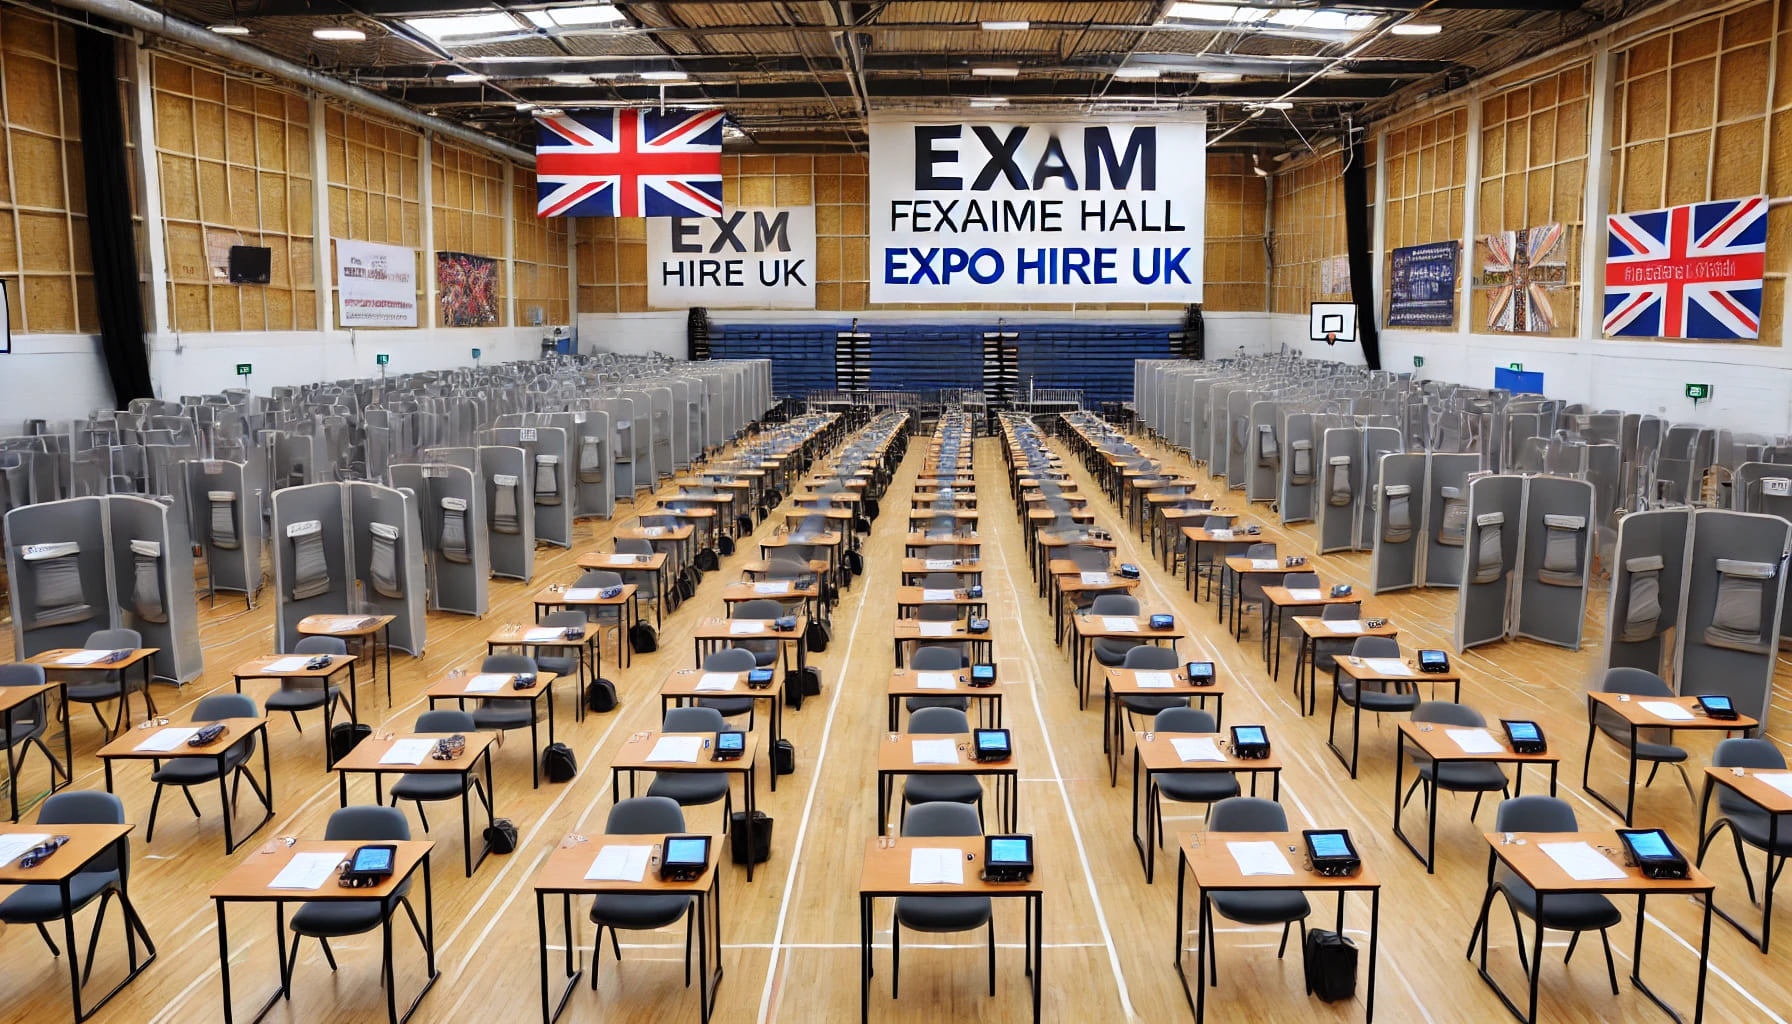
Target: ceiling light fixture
(468, 77)
(587, 14)
(463, 26)
(570, 79)
(996, 72)
(1272, 105)
(663, 76)
(992, 101)
(229, 30)
(549, 112)
(1408, 28)
(338, 35)
(1006, 26)
(1257, 166)
(523, 108)
(1138, 73)
(1221, 76)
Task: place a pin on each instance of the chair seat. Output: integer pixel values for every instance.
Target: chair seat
(301, 700)
(1196, 787)
(1646, 750)
(430, 786)
(93, 691)
(1263, 906)
(31, 904)
(1465, 776)
(728, 707)
(1378, 700)
(560, 666)
(1152, 705)
(189, 771)
(22, 731)
(639, 913)
(1754, 823)
(948, 788)
(504, 715)
(1112, 652)
(956, 703)
(942, 913)
(338, 918)
(1572, 912)
(690, 788)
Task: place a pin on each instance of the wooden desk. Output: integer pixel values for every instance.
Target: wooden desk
(85, 844)
(1239, 567)
(587, 650)
(785, 592)
(633, 759)
(1068, 583)
(269, 668)
(963, 515)
(628, 611)
(910, 599)
(666, 540)
(1525, 857)
(969, 546)
(1192, 539)
(1313, 629)
(1207, 858)
(685, 686)
(1166, 524)
(1046, 546)
(831, 540)
(365, 630)
(1749, 784)
(52, 662)
(1126, 682)
(251, 882)
(886, 874)
(1155, 754)
(914, 631)
(654, 564)
(702, 519)
(457, 687)
(236, 730)
(1631, 711)
(365, 758)
(906, 682)
(916, 569)
(1432, 740)
(563, 874)
(12, 698)
(1362, 672)
(1087, 628)
(896, 756)
(1277, 600)
(714, 634)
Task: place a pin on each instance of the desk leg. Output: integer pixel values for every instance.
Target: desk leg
(883, 802)
(550, 1010)
(750, 802)
(1374, 941)
(224, 959)
(865, 904)
(1037, 905)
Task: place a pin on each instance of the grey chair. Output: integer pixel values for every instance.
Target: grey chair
(937, 658)
(641, 816)
(1477, 777)
(765, 652)
(566, 661)
(1187, 787)
(1380, 700)
(1574, 913)
(337, 919)
(941, 915)
(1149, 658)
(427, 787)
(598, 579)
(104, 877)
(27, 725)
(503, 715)
(1325, 651)
(1263, 906)
(941, 787)
(694, 789)
(1747, 822)
(730, 659)
(1654, 746)
(1250, 585)
(941, 581)
(295, 696)
(96, 688)
(229, 771)
(1108, 651)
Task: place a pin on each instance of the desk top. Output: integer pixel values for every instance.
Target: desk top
(1752, 787)
(1283, 597)
(1090, 626)
(235, 729)
(886, 869)
(743, 591)
(684, 682)
(85, 842)
(898, 755)
(723, 629)
(690, 513)
(452, 687)
(563, 596)
(517, 634)
(764, 565)
(260, 668)
(918, 595)
(634, 751)
(1157, 751)
(622, 563)
(1319, 628)
(1437, 744)
(942, 513)
(52, 659)
(249, 879)
(923, 540)
(1125, 682)
(827, 539)
(958, 565)
(344, 625)
(910, 629)
(1529, 862)
(1243, 564)
(654, 532)
(906, 682)
(564, 870)
(1214, 867)
(1633, 711)
(1360, 670)
(365, 757)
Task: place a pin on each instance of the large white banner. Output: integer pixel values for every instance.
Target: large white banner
(376, 285)
(751, 257)
(1080, 211)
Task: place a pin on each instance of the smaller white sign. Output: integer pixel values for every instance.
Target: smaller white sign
(376, 285)
(751, 257)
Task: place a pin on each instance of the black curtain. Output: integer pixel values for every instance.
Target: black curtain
(117, 284)
(1362, 252)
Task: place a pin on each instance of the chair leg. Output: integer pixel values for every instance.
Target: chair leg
(188, 793)
(895, 955)
(1654, 766)
(329, 954)
(1573, 937)
(1518, 931)
(992, 955)
(1475, 808)
(149, 835)
(1282, 947)
(420, 815)
(690, 915)
(616, 944)
(1410, 790)
(1686, 782)
(980, 825)
(45, 932)
(93, 940)
(295, 721)
(1611, 969)
(597, 955)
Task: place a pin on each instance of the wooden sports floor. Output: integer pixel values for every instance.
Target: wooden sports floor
(791, 936)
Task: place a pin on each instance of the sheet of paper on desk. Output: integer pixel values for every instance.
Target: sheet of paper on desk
(543, 634)
(1344, 625)
(1095, 579)
(717, 681)
(941, 563)
(488, 682)
(936, 681)
(676, 748)
(1666, 710)
(622, 559)
(1306, 595)
(773, 587)
(936, 867)
(82, 657)
(1581, 862)
(288, 664)
(1154, 680)
(1389, 667)
(343, 625)
(1781, 781)
(938, 628)
(581, 593)
(167, 739)
(307, 871)
(13, 845)
(407, 752)
(1475, 741)
(935, 751)
(1259, 859)
(1197, 748)
(1264, 563)
(620, 864)
(653, 531)
(938, 595)
(740, 628)
(1220, 534)
(1118, 624)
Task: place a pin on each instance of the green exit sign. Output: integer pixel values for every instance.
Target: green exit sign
(244, 369)
(1515, 367)
(1698, 392)
(382, 359)
(1418, 360)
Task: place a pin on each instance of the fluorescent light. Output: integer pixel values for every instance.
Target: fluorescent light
(339, 35)
(663, 76)
(1257, 166)
(451, 26)
(525, 107)
(993, 101)
(1272, 105)
(229, 30)
(549, 112)
(1006, 26)
(1214, 12)
(1221, 76)
(607, 74)
(570, 79)
(996, 72)
(1232, 14)
(1408, 28)
(1138, 72)
(587, 14)
(468, 77)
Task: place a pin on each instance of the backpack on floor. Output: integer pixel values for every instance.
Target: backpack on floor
(643, 639)
(558, 764)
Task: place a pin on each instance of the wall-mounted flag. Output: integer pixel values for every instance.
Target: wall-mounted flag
(1687, 271)
(629, 163)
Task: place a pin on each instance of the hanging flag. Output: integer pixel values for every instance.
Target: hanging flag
(1687, 271)
(1522, 267)
(629, 163)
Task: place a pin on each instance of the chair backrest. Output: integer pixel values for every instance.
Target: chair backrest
(941, 818)
(90, 807)
(1246, 814)
(785, 569)
(219, 706)
(113, 639)
(1300, 580)
(729, 659)
(634, 546)
(1151, 656)
(940, 581)
(936, 658)
(1087, 558)
(1445, 712)
(1260, 550)
(563, 619)
(693, 720)
(1375, 647)
(1346, 612)
(1638, 682)
(599, 578)
(645, 815)
(321, 645)
(21, 674)
(941, 551)
(1535, 814)
(758, 608)
(445, 720)
(507, 663)
(1183, 720)
(1114, 604)
(940, 612)
(1216, 523)
(935, 721)
(363, 824)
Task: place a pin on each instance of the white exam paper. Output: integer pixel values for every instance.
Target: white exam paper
(1305, 594)
(1095, 579)
(773, 587)
(936, 867)
(1220, 534)
(619, 864)
(1781, 781)
(1344, 625)
(1259, 859)
(1197, 748)
(1154, 680)
(288, 664)
(1475, 741)
(739, 627)
(1581, 862)
(936, 681)
(13, 845)
(1264, 563)
(407, 752)
(342, 626)
(717, 681)
(82, 657)
(581, 593)
(928, 594)
(622, 559)
(487, 682)
(307, 871)
(542, 634)
(1390, 667)
(1664, 709)
(676, 748)
(938, 628)
(934, 751)
(167, 739)
(940, 563)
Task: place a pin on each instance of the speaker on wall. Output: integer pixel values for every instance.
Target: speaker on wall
(250, 264)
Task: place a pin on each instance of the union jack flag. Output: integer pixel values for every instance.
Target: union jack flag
(1687, 271)
(629, 163)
